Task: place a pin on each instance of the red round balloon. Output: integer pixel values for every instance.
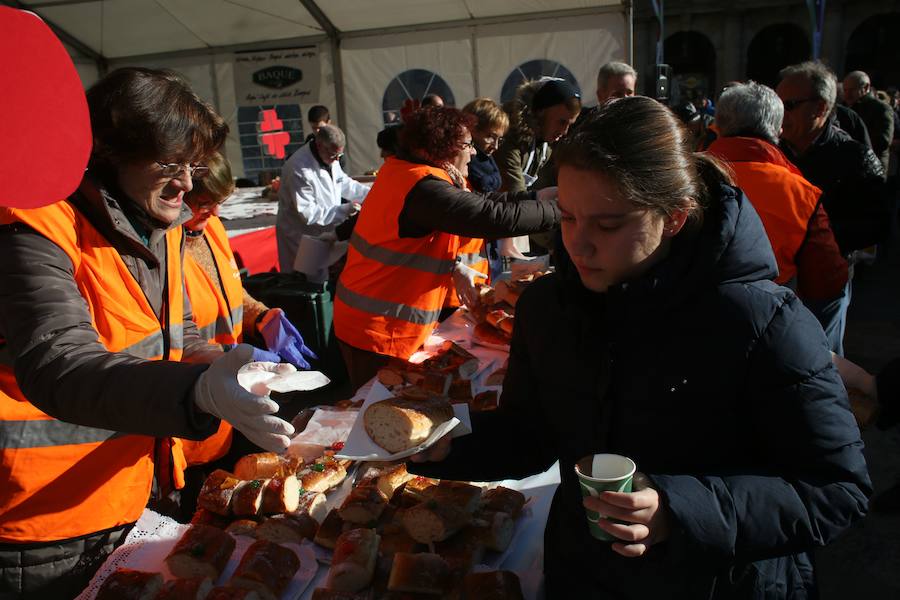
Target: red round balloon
(45, 130)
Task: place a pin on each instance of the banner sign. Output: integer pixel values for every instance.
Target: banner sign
(277, 76)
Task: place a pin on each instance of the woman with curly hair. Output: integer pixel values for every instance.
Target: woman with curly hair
(404, 252)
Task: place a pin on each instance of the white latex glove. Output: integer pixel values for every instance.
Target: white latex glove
(218, 393)
(464, 281)
(548, 194)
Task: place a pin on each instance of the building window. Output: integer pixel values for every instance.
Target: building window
(413, 84)
(531, 70)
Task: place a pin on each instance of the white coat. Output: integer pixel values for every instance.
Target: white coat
(309, 204)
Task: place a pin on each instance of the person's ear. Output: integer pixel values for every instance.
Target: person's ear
(672, 224)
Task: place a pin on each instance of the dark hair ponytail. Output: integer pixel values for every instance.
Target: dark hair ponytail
(644, 149)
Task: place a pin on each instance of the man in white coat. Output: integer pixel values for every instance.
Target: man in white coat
(310, 206)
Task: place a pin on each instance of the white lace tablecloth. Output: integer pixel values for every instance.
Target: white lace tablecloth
(154, 536)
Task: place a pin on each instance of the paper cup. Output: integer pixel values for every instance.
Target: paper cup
(603, 473)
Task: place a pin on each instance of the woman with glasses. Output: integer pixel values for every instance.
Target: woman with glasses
(222, 309)
(404, 255)
(102, 364)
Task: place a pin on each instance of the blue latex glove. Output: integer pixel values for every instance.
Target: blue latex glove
(259, 355)
(283, 338)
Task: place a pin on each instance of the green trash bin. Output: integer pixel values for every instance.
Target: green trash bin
(310, 307)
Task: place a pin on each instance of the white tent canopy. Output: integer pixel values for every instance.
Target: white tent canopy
(365, 49)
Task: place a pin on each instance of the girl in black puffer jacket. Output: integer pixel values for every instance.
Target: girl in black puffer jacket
(662, 338)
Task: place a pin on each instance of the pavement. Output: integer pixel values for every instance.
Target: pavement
(864, 563)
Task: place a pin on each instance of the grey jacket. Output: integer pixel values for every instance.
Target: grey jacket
(60, 364)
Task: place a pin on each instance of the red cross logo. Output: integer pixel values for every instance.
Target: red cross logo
(272, 140)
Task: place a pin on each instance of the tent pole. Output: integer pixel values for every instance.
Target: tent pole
(334, 36)
(629, 30)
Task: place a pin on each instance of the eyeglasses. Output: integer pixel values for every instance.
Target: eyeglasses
(493, 139)
(209, 204)
(335, 156)
(469, 145)
(790, 105)
(174, 170)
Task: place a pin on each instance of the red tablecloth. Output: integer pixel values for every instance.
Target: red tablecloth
(256, 251)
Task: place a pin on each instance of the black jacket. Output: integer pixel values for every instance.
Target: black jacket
(434, 204)
(853, 187)
(847, 119)
(717, 382)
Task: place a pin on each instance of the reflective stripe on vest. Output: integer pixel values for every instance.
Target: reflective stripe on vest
(217, 304)
(403, 312)
(393, 258)
(64, 480)
(392, 288)
(49, 432)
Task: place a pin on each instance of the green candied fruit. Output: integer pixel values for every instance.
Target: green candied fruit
(256, 483)
(318, 467)
(302, 491)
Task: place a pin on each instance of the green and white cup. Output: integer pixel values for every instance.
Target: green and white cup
(603, 473)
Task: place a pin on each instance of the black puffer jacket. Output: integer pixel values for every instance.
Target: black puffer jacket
(718, 383)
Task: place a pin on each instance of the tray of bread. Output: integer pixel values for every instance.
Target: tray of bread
(494, 312)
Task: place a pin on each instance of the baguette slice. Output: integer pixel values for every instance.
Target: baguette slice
(392, 478)
(502, 499)
(217, 492)
(433, 522)
(265, 465)
(464, 496)
(330, 530)
(129, 584)
(247, 499)
(322, 476)
(363, 505)
(265, 568)
(398, 424)
(195, 588)
(353, 563)
(283, 529)
(422, 573)
(243, 527)
(202, 551)
(281, 495)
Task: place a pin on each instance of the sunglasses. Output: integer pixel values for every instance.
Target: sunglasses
(174, 170)
(790, 105)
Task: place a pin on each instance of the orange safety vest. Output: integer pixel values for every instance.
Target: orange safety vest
(218, 311)
(784, 200)
(62, 480)
(392, 289)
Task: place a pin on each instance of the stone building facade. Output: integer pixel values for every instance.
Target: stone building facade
(711, 42)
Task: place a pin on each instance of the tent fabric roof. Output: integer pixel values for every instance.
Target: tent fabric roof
(121, 28)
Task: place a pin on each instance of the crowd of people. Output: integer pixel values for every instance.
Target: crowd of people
(694, 321)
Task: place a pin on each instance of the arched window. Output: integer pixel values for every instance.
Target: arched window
(413, 84)
(534, 69)
(774, 48)
(872, 48)
(693, 60)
